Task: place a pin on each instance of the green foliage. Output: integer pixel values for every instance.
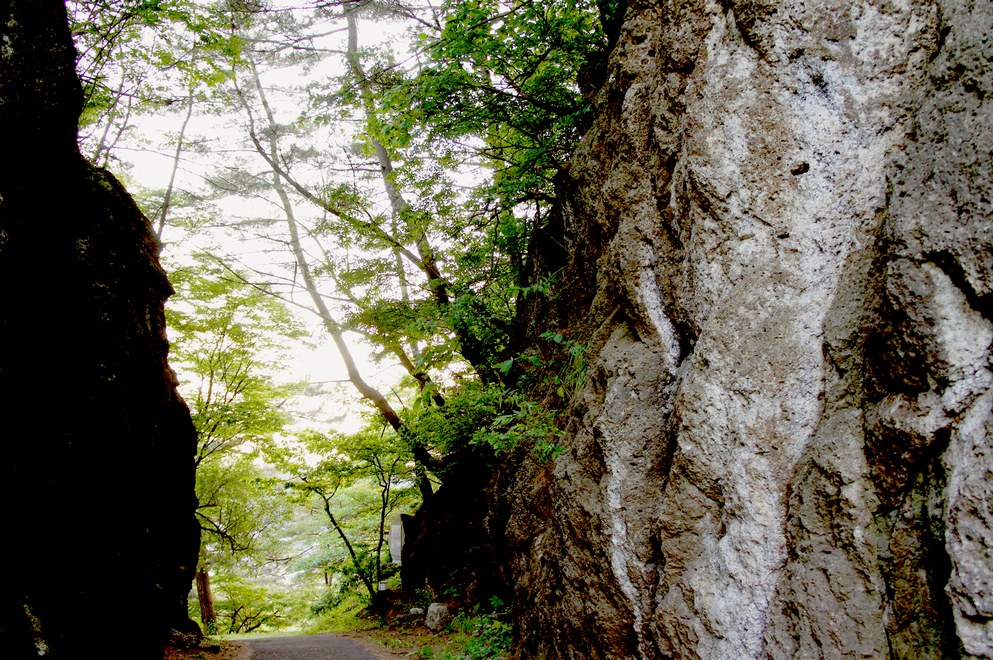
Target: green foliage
(502, 417)
(344, 614)
(142, 56)
(246, 606)
(484, 637)
(500, 86)
(359, 481)
(496, 85)
(450, 428)
(570, 364)
(227, 339)
(490, 638)
(226, 344)
(237, 509)
(509, 75)
(527, 422)
(489, 416)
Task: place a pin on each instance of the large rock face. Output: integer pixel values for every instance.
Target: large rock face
(100, 540)
(780, 257)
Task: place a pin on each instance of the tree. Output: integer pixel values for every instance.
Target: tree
(140, 57)
(332, 467)
(368, 261)
(227, 337)
(244, 517)
(265, 139)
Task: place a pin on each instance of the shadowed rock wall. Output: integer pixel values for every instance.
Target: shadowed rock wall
(780, 256)
(99, 535)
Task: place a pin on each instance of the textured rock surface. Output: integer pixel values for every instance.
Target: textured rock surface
(97, 476)
(437, 616)
(784, 443)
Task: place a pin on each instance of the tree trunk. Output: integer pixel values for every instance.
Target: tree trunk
(206, 599)
(102, 460)
(367, 579)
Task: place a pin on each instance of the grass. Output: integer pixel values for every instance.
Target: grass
(350, 615)
(420, 643)
(234, 637)
(474, 636)
(470, 635)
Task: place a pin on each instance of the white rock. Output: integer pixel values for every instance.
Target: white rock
(437, 616)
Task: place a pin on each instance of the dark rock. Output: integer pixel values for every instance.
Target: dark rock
(99, 471)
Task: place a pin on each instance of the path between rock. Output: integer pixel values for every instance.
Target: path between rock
(313, 647)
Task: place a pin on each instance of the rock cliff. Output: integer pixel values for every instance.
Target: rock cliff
(100, 537)
(779, 254)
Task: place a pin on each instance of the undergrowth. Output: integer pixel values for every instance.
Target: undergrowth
(471, 635)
